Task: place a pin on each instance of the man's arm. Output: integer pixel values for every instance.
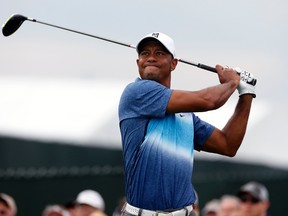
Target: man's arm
(207, 99)
(228, 140)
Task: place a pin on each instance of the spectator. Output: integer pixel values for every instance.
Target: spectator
(196, 207)
(97, 213)
(88, 202)
(71, 208)
(254, 198)
(7, 205)
(211, 208)
(55, 210)
(229, 205)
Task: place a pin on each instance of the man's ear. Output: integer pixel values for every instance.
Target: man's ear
(174, 64)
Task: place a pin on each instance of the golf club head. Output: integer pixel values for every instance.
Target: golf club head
(12, 24)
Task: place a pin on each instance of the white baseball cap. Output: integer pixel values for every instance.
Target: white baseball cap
(10, 202)
(164, 39)
(211, 206)
(92, 198)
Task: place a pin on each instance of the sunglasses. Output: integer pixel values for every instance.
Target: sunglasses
(249, 199)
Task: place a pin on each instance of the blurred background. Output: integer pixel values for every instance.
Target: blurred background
(59, 94)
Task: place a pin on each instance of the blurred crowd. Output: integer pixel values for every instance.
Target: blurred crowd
(252, 199)
(87, 203)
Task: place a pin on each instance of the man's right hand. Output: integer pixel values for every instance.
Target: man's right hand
(227, 74)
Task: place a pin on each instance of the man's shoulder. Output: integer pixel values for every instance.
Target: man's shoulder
(143, 85)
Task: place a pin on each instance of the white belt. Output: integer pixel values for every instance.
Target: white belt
(143, 212)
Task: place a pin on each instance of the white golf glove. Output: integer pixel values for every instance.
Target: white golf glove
(247, 83)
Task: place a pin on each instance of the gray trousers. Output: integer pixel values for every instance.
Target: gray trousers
(124, 213)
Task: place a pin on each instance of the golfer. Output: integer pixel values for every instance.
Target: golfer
(160, 131)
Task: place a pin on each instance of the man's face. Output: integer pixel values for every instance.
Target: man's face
(228, 207)
(251, 206)
(156, 63)
(4, 210)
(85, 210)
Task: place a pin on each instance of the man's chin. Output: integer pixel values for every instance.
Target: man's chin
(150, 76)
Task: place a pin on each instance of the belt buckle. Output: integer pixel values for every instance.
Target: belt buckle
(158, 213)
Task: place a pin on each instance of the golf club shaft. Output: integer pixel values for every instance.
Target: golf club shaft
(202, 66)
(78, 32)
(16, 20)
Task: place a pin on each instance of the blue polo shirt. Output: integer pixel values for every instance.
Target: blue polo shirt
(158, 147)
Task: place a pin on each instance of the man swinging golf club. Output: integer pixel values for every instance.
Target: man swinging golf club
(160, 131)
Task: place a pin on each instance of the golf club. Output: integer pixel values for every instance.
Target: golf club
(14, 22)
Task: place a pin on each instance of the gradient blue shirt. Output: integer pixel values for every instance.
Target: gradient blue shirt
(158, 147)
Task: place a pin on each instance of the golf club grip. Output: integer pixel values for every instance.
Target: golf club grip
(206, 67)
(253, 82)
